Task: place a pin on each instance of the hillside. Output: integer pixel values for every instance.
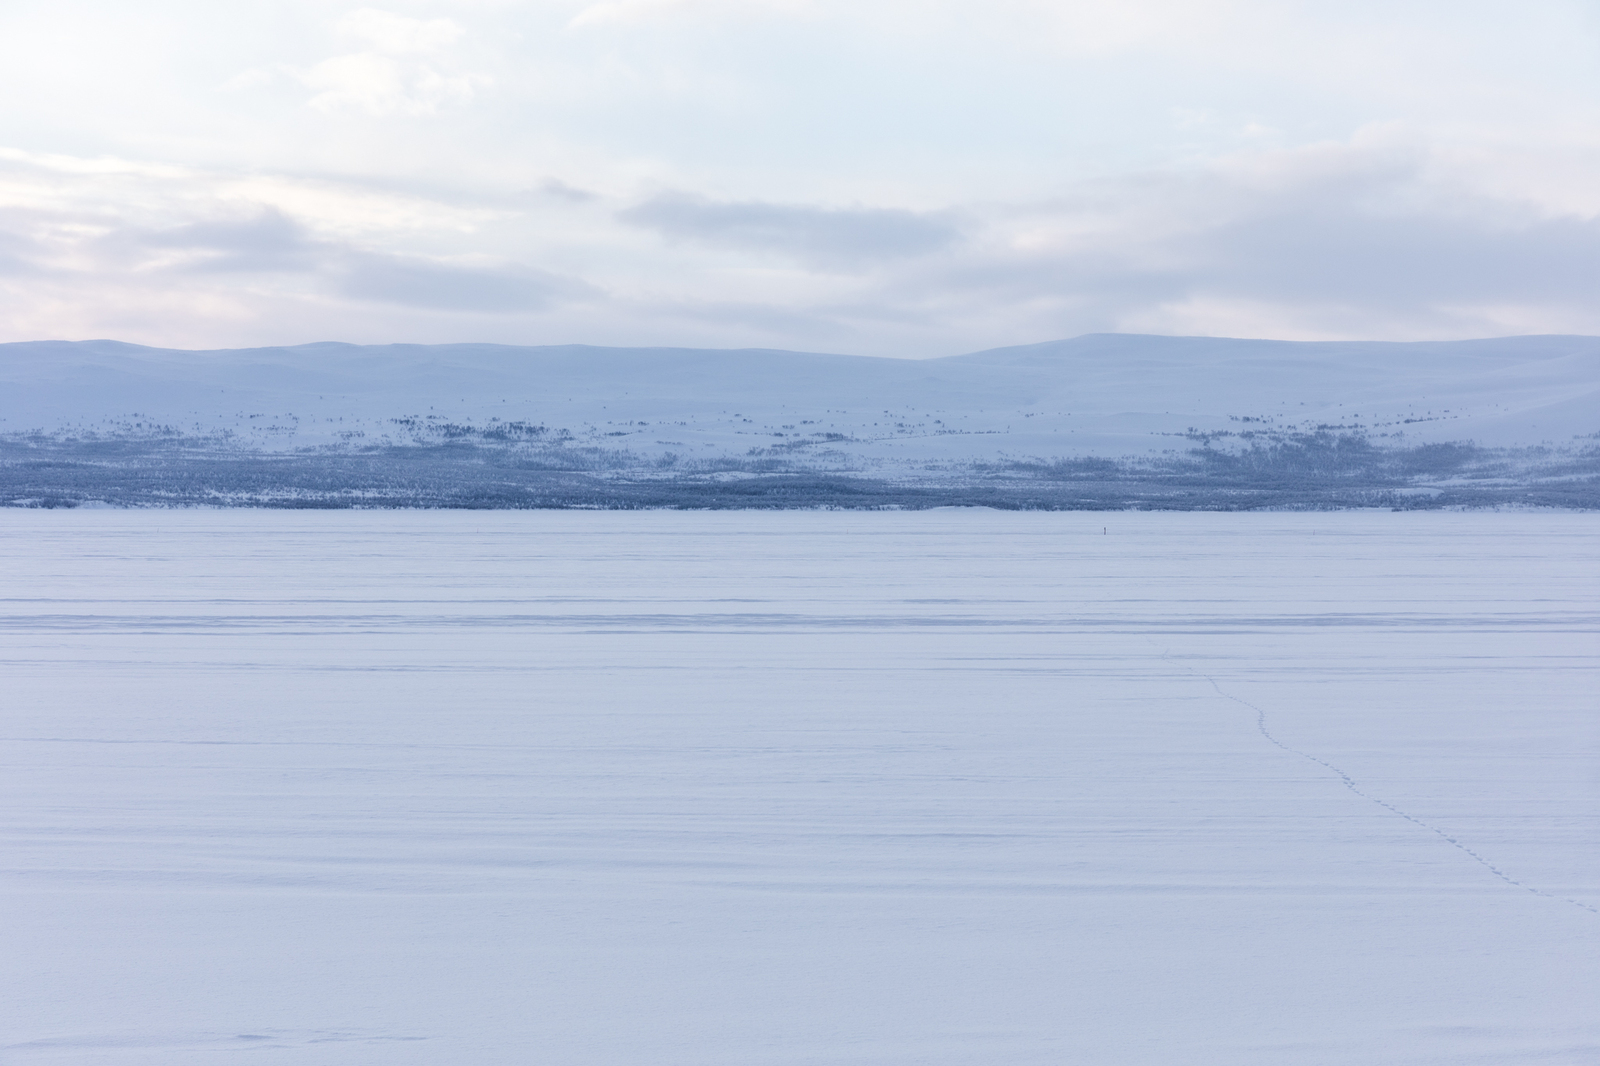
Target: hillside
(1196, 421)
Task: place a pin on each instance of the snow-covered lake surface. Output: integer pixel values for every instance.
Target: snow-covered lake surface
(948, 787)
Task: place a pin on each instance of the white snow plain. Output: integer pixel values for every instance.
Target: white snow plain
(936, 788)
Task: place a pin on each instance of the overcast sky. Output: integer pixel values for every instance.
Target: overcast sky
(875, 176)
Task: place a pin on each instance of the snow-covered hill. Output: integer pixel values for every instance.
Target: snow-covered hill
(1105, 394)
(684, 411)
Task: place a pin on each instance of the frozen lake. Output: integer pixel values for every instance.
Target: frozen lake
(689, 789)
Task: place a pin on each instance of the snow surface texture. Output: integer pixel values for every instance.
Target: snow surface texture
(953, 787)
(1101, 421)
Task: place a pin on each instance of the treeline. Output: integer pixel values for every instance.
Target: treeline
(1319, 470)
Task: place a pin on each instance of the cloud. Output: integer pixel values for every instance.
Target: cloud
(268, 242)
(18, 253)
(1376, 236)
(1350, 240)
(394, 34)
(560, 190)
(1034, 168)
(416, 282)
(824, 237)
(272, 243)
(228, 260)
(388, 77)
(381, 85)
(625, 12)
(255, 78)
(1337, 251)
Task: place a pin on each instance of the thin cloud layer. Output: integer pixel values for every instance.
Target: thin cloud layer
(422, 283)
(892, 178)
(268, 243)
(824, 237)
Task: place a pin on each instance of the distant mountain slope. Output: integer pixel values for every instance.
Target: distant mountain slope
(1139, 403)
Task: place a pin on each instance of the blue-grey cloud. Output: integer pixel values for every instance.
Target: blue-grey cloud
(1377, 244)
(272, 243)
(424, 283)
(17, 252)
(268, 242)
(826, 237)
(557, 189)
(1336, 251)
(1342, 241)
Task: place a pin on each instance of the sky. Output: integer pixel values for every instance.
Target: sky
(872, 176)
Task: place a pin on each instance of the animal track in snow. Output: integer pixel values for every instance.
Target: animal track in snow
(1349, 783)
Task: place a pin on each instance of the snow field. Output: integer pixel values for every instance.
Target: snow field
(949, 787)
